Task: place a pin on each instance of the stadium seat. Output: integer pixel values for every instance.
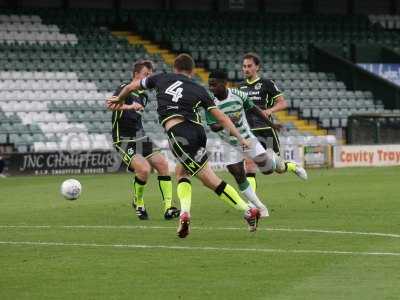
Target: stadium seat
(57, 67)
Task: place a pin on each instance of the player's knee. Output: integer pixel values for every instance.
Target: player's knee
(266, 164)
(162, 167)
(267, 167)
(143, 171)
(180, 171)
(237, 174)
(250, 166)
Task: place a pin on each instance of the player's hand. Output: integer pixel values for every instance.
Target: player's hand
(268, 112)
(277, 127)
(246, 144)
(135, 106)
(114, 106)
(114, 99)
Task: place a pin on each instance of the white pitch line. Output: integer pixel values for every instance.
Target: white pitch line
(393, 235)
(193, 248)
(379, 234)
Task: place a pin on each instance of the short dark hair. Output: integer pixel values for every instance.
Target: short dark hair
(140, 64)
(184, 62)
(219, 75)
(254, 57)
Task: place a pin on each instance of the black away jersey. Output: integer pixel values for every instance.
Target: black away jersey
(128, 122)
(178, 95)
(263, 92)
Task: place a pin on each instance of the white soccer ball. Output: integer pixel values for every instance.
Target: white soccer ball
(71, 189)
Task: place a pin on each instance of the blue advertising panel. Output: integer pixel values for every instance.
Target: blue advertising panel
(390, 72)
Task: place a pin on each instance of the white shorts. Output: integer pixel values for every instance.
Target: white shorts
(235, 154)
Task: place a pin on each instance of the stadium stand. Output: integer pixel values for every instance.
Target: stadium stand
(283, 42)
(57, 67)
(53, 85)
(386, 21)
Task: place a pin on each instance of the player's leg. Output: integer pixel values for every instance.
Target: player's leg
(250, 165)
(269, 162)
(225, 191)
(251, 170)
(273, 143)
(263, 159)
(193, 158)
(184, 188)
(283, 166)
(229, 195)
(269, 140)
(160, 164)
(208, 177)
(178, 138)
(238, 172)
(142, 171)
(138, 165)
(184, 192)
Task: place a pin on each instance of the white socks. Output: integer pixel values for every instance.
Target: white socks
(254, 201)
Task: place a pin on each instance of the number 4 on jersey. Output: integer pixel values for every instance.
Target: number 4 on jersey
(175, 90)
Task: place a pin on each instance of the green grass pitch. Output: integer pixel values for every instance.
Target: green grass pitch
(336, 236)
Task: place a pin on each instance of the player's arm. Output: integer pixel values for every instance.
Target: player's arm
(277, 98)
(279, 105)
(125, 91)
(118, 106)
(134, 85)
(138, 103)
(114, 103)
(226, 123)
(220, 118)
(249, 105)
(259, 112)
(212, 122)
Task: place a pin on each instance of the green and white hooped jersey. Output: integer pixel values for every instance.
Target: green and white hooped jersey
(234, 106)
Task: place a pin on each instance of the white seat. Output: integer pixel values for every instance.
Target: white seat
(39, 147)
(75, 145)
(60, 117)
(52, 146)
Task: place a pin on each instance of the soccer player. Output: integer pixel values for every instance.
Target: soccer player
(234, 103)
(136, 149)
(179, 98)
(266, 95)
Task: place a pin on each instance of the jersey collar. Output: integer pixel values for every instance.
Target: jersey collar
(253, 81)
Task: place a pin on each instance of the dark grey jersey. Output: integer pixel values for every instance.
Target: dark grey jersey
(263, 92)
(178, 95)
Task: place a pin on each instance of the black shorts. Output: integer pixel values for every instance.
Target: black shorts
(187, 141)
(129, 147)
(268, 138)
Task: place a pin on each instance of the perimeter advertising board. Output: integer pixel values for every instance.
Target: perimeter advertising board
(366, 156)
